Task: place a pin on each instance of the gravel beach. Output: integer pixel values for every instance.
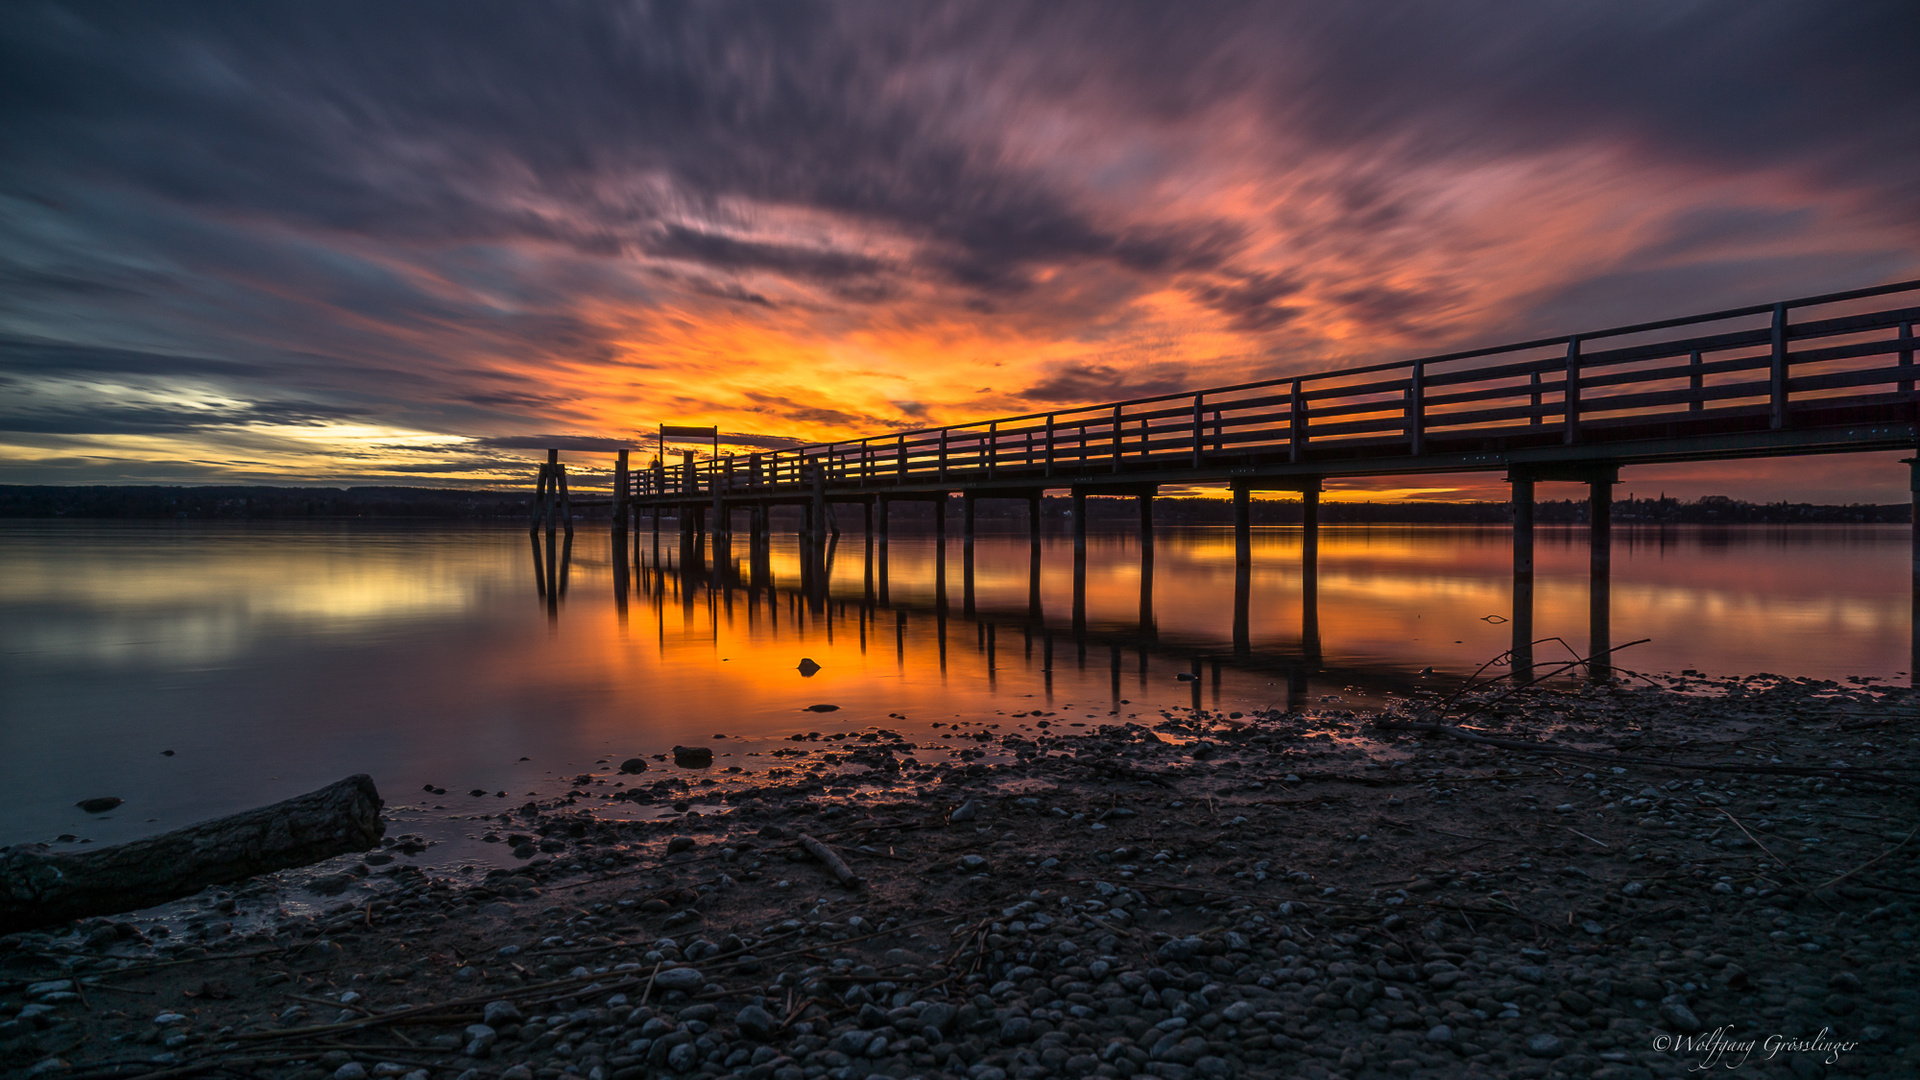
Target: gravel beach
(1704, 873)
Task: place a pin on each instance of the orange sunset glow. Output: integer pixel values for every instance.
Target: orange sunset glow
(280, 247)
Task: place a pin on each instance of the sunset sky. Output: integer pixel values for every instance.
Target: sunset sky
(418, 243)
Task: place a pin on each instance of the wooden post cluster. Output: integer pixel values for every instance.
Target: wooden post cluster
(551, 504)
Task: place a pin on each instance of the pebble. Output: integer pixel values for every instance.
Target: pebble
(352, 1070)
(100, 805)
(967, 811)
(756, 1023)
(1545, 1045)
(692, 756)
(684, 979)
(1679, 1017)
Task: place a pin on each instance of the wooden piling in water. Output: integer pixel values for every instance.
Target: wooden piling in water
(1522, 640)
(620, 492)
(1600, 565)
(1913, 530)
(1242, 527)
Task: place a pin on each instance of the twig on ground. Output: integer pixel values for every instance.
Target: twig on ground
(833, 861)
(1864, 865)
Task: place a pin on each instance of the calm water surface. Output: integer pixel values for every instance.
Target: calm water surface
(273, 659)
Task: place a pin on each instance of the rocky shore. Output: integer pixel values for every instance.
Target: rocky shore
(1709, 873)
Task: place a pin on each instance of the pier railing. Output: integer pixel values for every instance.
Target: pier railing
(1745, 374)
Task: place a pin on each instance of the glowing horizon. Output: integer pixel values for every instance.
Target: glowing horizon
(402, 247)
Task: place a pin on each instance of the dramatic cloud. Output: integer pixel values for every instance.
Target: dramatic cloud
(315, 241)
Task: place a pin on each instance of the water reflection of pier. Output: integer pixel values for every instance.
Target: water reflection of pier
(823, 592)
(551, 571)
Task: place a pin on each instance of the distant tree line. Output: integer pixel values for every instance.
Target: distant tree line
(282, 503)
(257, 503)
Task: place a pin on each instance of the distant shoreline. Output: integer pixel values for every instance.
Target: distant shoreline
(228, 502)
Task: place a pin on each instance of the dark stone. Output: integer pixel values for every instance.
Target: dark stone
(692, 756)
(100, 805)
(756, 1023)
(821, 708)
(330, 884)
(634, 765)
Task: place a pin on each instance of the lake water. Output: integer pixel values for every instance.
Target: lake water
(273, 659)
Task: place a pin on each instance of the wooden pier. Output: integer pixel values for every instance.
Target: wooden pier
(1815, 375)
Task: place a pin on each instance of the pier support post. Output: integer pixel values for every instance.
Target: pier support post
(1310, 532)
(700, 527)
(1080, 569)
(1913, 484)
(621, 570)
(756, 555)
(880, 512)
(940, 566)
(620, 496)
(1310, 572)
(722, 534)
(1146, 522)
(1146, 582)
(1600, 560)
(1522, 655)
(817, 536)
(1242, 528)
(1034, 619)
(1033, 525)
(966, 553)
(685, 510)
(1242, 597)
(819, 481)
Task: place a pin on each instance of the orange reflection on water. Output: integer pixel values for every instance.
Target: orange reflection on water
(276, 659)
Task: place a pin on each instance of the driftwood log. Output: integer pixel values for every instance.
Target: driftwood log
(39, 887)
(834, 863)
